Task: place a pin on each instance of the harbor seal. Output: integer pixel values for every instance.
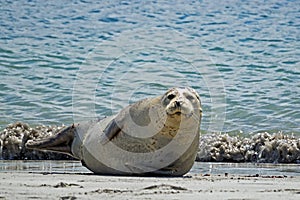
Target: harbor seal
(154, 136)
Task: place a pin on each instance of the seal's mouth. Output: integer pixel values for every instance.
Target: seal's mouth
(179, 113)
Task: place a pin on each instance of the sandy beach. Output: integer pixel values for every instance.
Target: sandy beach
(72, 184)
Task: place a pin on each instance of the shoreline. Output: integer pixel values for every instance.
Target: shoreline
(214, 168)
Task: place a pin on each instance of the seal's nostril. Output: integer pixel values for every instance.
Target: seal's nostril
(177, 103)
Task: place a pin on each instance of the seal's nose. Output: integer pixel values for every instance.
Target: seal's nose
(177, 103)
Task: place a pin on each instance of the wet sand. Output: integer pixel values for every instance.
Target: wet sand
(56, 183)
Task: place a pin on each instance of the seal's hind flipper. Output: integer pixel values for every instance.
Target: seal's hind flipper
(61, 142)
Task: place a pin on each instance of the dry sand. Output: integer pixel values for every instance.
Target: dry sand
(44, 185)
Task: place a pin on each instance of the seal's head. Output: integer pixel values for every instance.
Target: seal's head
(182, 102)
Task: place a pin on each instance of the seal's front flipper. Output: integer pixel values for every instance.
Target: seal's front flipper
(111, 131)
(61, 142)
(144, 170)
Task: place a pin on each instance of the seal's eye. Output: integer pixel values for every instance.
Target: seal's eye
(190, 97)
(171, 96)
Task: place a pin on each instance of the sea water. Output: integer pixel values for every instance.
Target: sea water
(65, 61)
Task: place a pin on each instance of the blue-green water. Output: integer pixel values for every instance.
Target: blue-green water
(65, 61)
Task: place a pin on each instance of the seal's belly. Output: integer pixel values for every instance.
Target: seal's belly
(160, 154)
